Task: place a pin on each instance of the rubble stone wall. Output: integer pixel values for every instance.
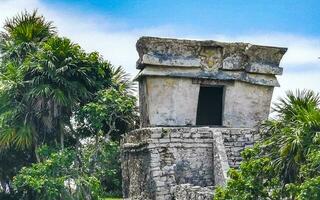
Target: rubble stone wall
(155, 160)
(235, 140)
(188, 191)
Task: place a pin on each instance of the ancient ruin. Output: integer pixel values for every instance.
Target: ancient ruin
(200, 104)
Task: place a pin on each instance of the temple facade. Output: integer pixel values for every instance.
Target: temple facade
(200, 105)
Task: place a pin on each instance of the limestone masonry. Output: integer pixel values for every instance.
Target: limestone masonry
(200, 105)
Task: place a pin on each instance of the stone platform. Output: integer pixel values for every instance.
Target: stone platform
(160, 162)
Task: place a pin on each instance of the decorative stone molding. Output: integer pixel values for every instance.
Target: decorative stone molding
(209, 59)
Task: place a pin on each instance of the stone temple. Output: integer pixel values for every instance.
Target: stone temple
(200, 105)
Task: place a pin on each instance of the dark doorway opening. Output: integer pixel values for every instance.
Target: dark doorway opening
(210, 106)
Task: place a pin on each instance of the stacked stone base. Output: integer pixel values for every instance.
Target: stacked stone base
(158, 162)
(188, 191)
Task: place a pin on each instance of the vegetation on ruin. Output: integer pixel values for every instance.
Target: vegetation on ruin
(62, 112)
(285, 164)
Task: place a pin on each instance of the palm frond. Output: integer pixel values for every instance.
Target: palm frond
(121, 79)
(294, 102)
(28, 27)
(294, 133)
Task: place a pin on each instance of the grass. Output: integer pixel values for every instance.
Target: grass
(112, 198)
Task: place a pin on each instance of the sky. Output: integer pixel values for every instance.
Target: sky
(112, 28)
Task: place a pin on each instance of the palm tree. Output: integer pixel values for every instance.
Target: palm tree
(23, 34)
(42, 85)
(293, 133)
(62, 78)
(44, 81)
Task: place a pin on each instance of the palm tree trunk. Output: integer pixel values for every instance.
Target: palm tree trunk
(61, 130)
(36, 153)
(35, 145)
(3, 185)
(62, 140)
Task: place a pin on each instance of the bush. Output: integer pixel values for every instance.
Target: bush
(103, 162)
(57, 177)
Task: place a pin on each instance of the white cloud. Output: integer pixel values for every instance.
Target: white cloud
(97, 33)
(293, 81)
(92, 32)
(9, 8)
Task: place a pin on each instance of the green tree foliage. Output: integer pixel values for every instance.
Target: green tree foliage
(106, 166)
(54, 93)
(285, 164)
(57, 177)
(70, 174)
(52, 82)
(110, 111)
(23, 34)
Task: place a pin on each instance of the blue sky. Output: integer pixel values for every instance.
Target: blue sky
(207, 16)
(112, 28)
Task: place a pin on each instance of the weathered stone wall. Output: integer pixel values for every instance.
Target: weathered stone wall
(188, 191)
(154, 160)
(169, 101)
(172, 72)
(246, 105)
(177, 156)
(235, 141)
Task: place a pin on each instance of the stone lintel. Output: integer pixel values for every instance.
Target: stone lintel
(220, 75)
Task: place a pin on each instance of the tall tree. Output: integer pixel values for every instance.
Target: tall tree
(48, 86)
(44, 78)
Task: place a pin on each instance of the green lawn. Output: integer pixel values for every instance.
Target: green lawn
(112, 198)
